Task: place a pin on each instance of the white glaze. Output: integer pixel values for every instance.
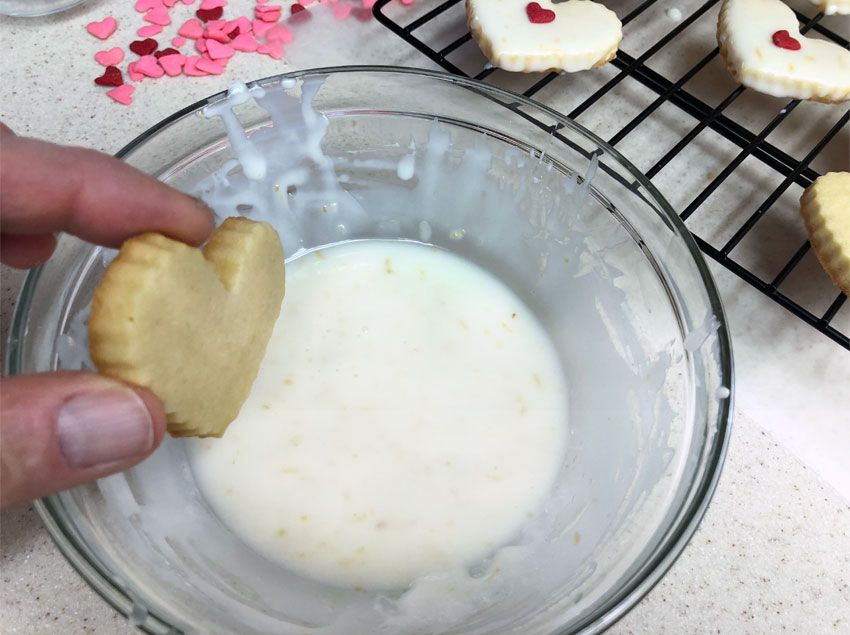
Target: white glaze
(408, 418)
(819, 69)
(582, 35)
(674, 13)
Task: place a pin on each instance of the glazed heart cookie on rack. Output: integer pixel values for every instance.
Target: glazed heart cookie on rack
(517, 35)
(842, 7)
(761, 43)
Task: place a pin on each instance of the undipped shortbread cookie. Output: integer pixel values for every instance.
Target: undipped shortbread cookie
(761, 44)
(190, 324)
(573, 35)
(825, 208)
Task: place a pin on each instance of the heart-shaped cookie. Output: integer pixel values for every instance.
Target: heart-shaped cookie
(825, 208)
(761, 43)
(192, 325)
(829, 7)
(574, 35)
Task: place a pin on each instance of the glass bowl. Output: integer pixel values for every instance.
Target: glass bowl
(562, 219)
(35, 8)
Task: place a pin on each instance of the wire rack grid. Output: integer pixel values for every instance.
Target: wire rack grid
(729, 154)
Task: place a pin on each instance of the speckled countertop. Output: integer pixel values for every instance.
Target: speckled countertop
(773, 552)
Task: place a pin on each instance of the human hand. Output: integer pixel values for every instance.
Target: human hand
(61, 429)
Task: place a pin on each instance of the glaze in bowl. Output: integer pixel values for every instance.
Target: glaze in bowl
(558, 216)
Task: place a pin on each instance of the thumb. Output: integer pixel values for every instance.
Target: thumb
(62, 429)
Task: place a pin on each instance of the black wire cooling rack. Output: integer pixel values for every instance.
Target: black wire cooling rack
(791, 277)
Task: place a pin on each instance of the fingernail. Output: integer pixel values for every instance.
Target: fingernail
(104, 426)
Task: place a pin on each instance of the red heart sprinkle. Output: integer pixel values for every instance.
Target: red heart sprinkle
(209, 14)
(362, 14)
(233, 33)
(537, 14)
(783, 40)
(297, 8)
(111, 77)
(144, 47)
(168, 51)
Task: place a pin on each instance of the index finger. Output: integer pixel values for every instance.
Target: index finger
(48, 188)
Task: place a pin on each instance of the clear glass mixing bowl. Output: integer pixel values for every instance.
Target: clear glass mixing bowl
(573, 228)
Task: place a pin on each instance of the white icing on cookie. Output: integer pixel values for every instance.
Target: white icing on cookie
(575, 36)
(829, 7)
(751, 39)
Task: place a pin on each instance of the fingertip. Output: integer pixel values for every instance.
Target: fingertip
(23, 251)
(204, 220)
(157, 413)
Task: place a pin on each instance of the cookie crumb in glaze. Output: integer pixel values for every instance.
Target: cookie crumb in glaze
(516, 36)
(760, 42)
(825, 208)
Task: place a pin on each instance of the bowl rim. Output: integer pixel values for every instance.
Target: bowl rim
(670, 546)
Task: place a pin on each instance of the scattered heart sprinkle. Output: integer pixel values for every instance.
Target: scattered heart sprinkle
(111, 77)
(217, 37)
(144, 47)
(158, 16)
(122, 94)
(102, 29)
(113, 56)
(149, 30)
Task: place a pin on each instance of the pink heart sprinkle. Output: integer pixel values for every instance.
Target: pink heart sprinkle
(215, 24)
(190, 68)
(143, 6)
(172, 64)
(122, 94)
(192, 29)
(213, 4)
(188, 1)
(260, 28)
(272, 8)
(270, 17)
(306, 3)
(262, 1)
(218, 36)
(218, 51)
(210, 66)
(102, 29)
(242, 23)
(279, 33)
(367, 4)
(272, 49)
(244, 42)
(341, 11)
(169, 3)
(111, 57)
(149, 30)
(178, 41)
(158, 16)
(148, 65)
(201, 45)
(131, 71)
